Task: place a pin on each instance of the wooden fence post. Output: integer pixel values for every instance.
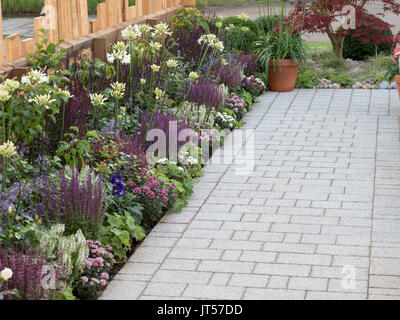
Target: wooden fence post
(51, 20)
(27, 47)
(139, 8)
(83, 18)
(101, 16)
(38, 23)
(13, 47)
(1, 35)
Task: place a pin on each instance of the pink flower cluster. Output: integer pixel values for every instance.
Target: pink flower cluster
(251, 82)
(235, 103)
(153, 188)
(396, 56)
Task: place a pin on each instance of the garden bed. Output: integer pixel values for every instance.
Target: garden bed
(79, 187)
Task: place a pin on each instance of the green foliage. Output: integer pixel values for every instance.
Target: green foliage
(268, 23)
(240, 39)
(188, 17)
(326, 58)
(344, 79)
(75, 151)
(247, 97)
(47, 55)
(376, 69)
(241, 22)
(119, 232)
(307, 79)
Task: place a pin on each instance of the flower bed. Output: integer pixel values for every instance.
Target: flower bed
(93, 154)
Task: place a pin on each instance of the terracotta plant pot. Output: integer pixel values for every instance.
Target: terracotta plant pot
(397, 80)
(283, 78)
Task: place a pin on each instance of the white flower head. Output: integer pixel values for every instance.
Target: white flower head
(145, 28)
(7, 150)
(193, 75)
(159, 93)
(245, 29)
(162, 29)
(11, 85)
(218, 24)
(162, 161)
(172, 63)
(119, 52)
(219, 46)
(131, 33)
(4, 95)
(155, 45)
(43, 100)
(97, 99)
(66, 93)
(143, 81)
(155, 68)
(118, 90)
(35, 77)
(6, 274)
(231, 26)
(243, 16)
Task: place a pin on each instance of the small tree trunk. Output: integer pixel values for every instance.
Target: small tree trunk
(337, 46)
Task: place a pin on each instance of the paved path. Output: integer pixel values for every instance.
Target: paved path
(322, 205)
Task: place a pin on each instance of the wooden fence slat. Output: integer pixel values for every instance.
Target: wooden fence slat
(139, 8)
(145, 7)
(27, 47)
(1, 35)
(38, 23)
(73, 20)
(83, 17)
(101, 16)
(51, 20)
(13, 47)
(93, 26)
(62, 19)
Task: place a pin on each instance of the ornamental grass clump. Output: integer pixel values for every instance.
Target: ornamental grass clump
(79, 205)
(29, 277)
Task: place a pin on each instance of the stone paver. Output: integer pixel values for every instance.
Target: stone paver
(318, 217)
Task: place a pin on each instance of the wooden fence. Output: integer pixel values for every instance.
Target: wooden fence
(68, 20)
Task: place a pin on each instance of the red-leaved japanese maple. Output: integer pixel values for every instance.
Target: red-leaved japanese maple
(320, 16)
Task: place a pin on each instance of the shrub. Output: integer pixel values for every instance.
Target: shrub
(241, 21)
(367, 41)
(344, 79)
(307, 79)
(267, 23)
(253, 85)
(239, 38)
(376, 69)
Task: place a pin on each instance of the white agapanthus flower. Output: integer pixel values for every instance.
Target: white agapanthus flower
(231, 26)
(118, 90)
(43, 100)
(159, 93)
(145, 28)
(155, 68)
(7, 149)
(97, 99)
(155, 45)
(245, 29)
(10, 85)
(193, 75)
(35, 77)
(66, 93)
(218, 24)
(143, 81)
(4, 95)
(219, 46)
(162, 29)
(172, 63)
(212, 41)
(119, 52)
(243, 16)
(131, 33)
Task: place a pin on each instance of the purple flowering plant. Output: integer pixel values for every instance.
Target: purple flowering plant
(237, 105)
(253, 85)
